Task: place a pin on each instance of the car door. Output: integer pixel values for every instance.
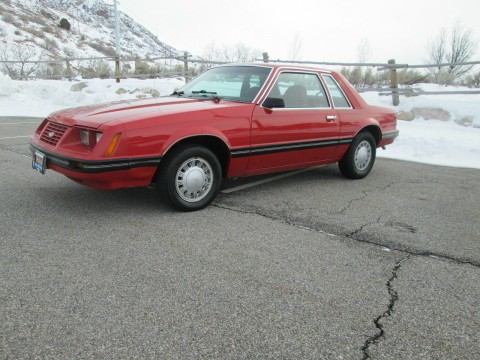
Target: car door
(302, 131)
(346, 118)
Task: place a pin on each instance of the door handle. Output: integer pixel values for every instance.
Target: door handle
(331, 117)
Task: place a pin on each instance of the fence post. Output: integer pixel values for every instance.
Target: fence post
(185, 65)
(394, 83)
(117, 68)
(265, 57)
(69, 70)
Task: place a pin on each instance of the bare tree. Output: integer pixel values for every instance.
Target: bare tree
(236, 53)
(437, 50)
(358, 76)
(462, 49)
(23, 56)
(455, 48)
(364, 51)
(295, 48)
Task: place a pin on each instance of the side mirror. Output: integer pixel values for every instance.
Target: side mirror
(271, 103)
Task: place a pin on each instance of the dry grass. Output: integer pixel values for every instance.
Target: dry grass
(8, 18)
(102, 48)
(37, 33)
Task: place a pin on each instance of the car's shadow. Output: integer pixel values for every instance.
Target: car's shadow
(328, 172)
(74, 199)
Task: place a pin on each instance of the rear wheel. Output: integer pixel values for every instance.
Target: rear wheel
(360, 157)
(189, 178)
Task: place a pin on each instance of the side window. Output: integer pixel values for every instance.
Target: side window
(338, 98)
(255, 81)
(300, 91)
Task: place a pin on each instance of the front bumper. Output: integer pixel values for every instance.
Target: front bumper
(103, 174)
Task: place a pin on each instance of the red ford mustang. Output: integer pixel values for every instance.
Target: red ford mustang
(231, 121)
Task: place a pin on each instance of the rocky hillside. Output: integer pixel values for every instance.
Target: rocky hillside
(72, 28)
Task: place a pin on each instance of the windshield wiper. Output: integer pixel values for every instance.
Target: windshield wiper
(205, 92)
(179, 93)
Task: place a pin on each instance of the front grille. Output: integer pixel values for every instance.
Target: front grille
(53, 132)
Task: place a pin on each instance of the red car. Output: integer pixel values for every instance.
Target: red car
(231, 121)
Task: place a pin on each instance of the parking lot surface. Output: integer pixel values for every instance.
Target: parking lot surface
(308, 266)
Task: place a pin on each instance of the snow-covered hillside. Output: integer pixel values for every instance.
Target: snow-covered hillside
(430, 141)
(35, 23)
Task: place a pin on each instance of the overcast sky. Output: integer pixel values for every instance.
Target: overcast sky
(329, 30)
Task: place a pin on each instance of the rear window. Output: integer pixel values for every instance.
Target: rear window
(338, 98)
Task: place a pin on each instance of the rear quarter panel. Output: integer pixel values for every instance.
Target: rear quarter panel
(362, 115)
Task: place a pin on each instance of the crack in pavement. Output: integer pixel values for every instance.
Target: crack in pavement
(387, 313)
(353, 236)
(365, 193)
(360, 229)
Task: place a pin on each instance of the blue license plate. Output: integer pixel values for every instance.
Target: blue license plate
(39, 162)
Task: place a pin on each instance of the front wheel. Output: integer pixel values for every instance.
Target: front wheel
(190, 178)
(360, 157)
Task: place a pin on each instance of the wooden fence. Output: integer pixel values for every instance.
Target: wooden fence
(183, 62)
(394, 90)
(185, 69)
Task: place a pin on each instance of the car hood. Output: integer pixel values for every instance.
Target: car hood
(94, 116)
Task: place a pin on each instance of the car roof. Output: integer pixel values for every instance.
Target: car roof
(289, 66)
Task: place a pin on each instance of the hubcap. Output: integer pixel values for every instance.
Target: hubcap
(194, 179)
(363, 155)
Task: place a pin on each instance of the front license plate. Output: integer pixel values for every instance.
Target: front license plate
(39, 162)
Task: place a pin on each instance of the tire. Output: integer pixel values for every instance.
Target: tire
(189, 178)
(360, 157)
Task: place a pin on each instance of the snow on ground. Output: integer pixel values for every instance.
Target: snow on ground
(437, 143)
(433, 141)
(42, 97)
(425, 141)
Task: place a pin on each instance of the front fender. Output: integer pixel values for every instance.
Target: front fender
(182, 135)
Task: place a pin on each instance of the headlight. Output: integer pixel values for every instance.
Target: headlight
(90, 138)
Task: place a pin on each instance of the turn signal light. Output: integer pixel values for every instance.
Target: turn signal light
(113, 144)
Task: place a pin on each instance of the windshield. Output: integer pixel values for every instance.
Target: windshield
(237, 83)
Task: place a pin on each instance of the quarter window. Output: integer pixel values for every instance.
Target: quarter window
(299, 90)
(339, 100)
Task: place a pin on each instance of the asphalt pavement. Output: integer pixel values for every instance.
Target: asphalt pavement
(307, 265)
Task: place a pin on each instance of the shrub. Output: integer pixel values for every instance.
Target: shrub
(473, 80)
(102, 48)
(24, 18)
(410, 77)
(102, 69)
(51, 70)
(65, 24)
(8, 18)
(96, 68)
(49, 44)
(38, 20)
(103, 13)
(35, 32)
(141, 67)
(48, 29)
(48, 15)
